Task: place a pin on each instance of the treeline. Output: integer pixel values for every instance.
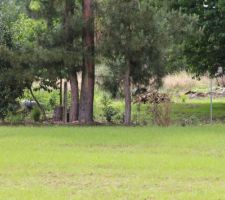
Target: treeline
(46, 41)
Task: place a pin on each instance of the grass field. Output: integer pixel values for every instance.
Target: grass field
(110, 163)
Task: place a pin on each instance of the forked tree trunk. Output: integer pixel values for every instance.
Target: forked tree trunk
(88, 71)
(74, 110)
(127, 94)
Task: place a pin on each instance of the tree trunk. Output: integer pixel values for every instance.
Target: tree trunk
(88, 71)
(58, 114)
(60, 93)
(65, 103)
(74, 110)
(127, 94)
(68, 38)
(38, 104)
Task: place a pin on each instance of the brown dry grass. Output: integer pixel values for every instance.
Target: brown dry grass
(184, 82)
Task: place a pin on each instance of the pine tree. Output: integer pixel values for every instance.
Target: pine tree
(88, 69)
(131, 43)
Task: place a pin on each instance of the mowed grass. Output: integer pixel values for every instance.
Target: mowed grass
(110, 163)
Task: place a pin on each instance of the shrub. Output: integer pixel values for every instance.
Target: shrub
(190, 121)
(11, 90)
(15, 118)
(36, 114)
(53, 101)
(161, 113)
(108, 111)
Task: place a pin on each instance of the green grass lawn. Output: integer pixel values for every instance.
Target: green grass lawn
(110, 163)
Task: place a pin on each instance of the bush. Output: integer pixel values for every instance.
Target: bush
(161, 113)
(15, 118)
(36, 114)
(53, 101)
(108, 111)
(11, 90)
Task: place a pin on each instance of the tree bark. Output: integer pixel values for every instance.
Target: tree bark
(74, 110)
(88, 71)
(58, 114)
(60, 93)
(127, 94)
(65, 103)
(69, 37)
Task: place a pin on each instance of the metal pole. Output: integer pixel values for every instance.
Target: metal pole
(211, 100)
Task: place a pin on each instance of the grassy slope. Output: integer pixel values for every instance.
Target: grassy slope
(197, 109)
(112, 163)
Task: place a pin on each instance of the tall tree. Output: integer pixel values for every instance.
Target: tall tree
(131, 43)
(88, 70)
(60, 48)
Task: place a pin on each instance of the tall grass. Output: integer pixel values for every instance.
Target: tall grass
(183, 81)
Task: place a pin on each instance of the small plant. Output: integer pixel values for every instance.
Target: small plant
(190, 121)
(52, 101)
(183, 98)
(108, 111)
(36, 114)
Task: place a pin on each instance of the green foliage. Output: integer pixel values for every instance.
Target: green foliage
(108, 110)
(53, 100)
(204, 51)
(48, 99)
(36, 114)
(8, 97)
(131, 36)
(15, 117)
(11, 86)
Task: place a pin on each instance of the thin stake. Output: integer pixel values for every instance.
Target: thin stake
(211, 100)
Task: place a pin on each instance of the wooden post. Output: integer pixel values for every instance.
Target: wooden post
(65, 103)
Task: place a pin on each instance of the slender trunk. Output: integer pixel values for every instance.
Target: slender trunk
(60, 93)
(88, 71)
(68, 38)
(74, 111)
(127, 94)
(38, 104)
(65, 103)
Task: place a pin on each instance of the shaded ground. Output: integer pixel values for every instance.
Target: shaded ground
(112, 163)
